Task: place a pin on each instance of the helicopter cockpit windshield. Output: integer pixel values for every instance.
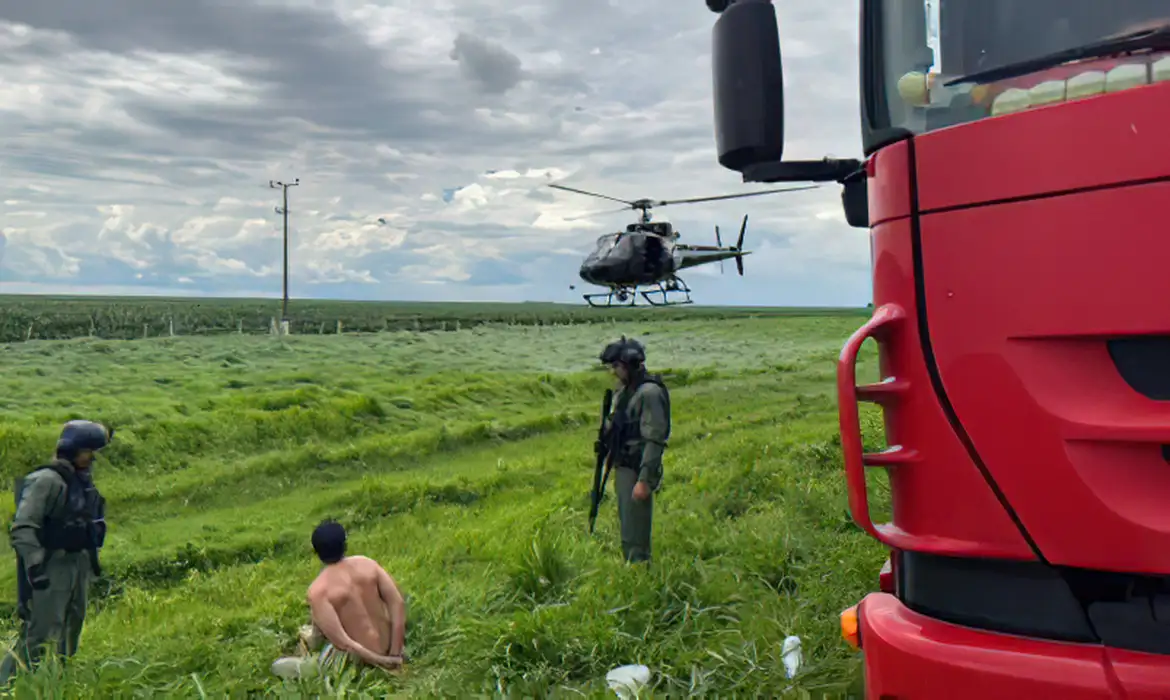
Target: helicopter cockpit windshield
(615, 257)
(607, 244)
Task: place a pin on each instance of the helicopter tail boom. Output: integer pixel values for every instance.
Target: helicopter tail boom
(698, 256)
(693, 255)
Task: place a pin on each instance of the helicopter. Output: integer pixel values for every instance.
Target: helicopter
(645, 258)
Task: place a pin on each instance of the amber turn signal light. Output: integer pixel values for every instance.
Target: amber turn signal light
(849, 629)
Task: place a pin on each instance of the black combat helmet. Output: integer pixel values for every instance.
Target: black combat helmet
(629, 352)
(78, 435)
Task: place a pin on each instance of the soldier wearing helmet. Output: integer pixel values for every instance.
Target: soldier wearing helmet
(58, 527)
(638, 432)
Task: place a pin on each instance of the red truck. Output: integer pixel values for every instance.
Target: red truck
(1014, 158)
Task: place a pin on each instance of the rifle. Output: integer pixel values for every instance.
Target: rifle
(603, 460)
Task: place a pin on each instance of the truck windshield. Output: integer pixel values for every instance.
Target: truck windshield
(923, 44)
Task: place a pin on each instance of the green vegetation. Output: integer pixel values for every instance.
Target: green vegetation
(462, 462)
(64, 318)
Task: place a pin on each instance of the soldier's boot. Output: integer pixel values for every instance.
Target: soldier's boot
(8, 665)
(636, 517)
(25, 654)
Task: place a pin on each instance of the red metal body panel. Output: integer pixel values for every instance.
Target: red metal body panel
(910, 657)
(1028, 266)
(888, 174)
(1094, 142)
(1144, 676)
(941, 502)
(1017, 297)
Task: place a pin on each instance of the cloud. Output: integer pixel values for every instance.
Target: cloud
(495, 68)
(139, 144)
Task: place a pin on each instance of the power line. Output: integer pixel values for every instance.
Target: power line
(283, 210)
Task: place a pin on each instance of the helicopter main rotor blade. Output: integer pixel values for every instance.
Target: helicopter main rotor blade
(592, 194)
(590, 215)
(733, 196)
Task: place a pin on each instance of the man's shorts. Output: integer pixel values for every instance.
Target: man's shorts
(332, 660)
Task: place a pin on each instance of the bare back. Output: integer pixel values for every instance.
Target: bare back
(351, 588)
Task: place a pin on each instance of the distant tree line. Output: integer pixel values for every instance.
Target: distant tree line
(61, 318)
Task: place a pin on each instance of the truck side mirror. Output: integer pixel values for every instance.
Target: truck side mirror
(748, 83)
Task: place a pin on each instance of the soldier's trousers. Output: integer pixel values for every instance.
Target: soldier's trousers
(56, 614)
(636, 517)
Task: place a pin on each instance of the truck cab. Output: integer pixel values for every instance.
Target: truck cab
(1015, 160)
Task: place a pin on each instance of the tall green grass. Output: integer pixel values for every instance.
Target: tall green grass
(462, 462)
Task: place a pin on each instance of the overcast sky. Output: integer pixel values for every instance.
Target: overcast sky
(139, 138)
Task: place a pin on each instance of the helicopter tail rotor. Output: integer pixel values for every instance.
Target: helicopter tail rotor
(719, 243)
(739, 245)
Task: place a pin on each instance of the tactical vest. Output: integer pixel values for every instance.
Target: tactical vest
(625, 430)
(81, 524)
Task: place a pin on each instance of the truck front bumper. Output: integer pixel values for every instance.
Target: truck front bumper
(909, 656)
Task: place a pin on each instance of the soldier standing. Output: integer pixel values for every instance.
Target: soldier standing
(58, 527)
(638, 433)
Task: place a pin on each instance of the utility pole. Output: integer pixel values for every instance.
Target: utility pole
(284, 211)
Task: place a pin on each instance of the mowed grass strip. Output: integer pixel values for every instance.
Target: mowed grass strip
(192, 510)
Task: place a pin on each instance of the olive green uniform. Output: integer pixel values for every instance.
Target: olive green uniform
(57, 612)
(646, 410)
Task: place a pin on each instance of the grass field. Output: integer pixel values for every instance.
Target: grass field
(461, 461)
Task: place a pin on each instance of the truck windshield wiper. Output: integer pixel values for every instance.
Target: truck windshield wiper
(1151, 38)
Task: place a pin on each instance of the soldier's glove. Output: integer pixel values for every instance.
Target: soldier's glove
(38, 577)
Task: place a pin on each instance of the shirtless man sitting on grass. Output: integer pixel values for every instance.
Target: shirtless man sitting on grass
(356, 608)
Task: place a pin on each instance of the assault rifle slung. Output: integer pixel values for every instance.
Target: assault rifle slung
(604, 454)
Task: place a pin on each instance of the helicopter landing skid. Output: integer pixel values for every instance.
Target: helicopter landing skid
(629, 297)
(674, 284)
(624, 297)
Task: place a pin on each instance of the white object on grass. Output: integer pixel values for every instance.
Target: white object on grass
(627, 681)
(790, 652)
(290, 667)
